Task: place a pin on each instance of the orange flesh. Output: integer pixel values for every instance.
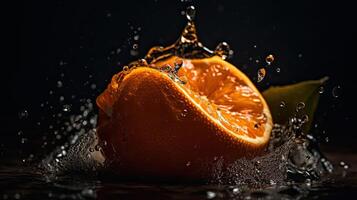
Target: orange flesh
(226, 97)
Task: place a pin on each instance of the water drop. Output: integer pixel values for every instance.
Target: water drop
(59, 84)
(17, 196)
(342, 163)
(93, 86)
(136, 37)
(305, 119)
(278, 69)
(336, 91)
(261, 74)
(223, 50)
(61, 63)
(97, 147)
(61, 98)
(19, 133)
(23, 140)
(88, 193)
(300, 106)
(269, 59)
(282, 104)
(235, 190)
(23, 114)
(211, 195)
(321, 89)
(327, 139)
(190, 13)
(135, 46)
(188, 164)
(125, 68)
(66, 108)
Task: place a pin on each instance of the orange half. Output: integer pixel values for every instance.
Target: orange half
(168, 126)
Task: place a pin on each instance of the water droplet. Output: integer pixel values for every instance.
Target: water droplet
(304, 119)
(321, 89)
(327, 139)
(23, 140)
(23, 114)
(223, 50)
(125, 68)
(190, 13)
(184, 113)
(282, 104)
(93, 86)
(342, 163)
(299, 55)
(88, 193)
(211, 195)
(336, 91)
(235, 190)
(17, 196)
(188, 164)
(59, 84)
(20, 133)
(66, 108)
(61, 98)
(278, 69)
(97, 147)
(135, 46)
(269, 59)
(136, 37)
(261, 74)
(300, 106)
(61, 63)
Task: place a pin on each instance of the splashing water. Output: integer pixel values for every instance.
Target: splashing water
(291, 156)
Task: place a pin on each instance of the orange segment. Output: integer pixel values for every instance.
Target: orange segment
(158, 127)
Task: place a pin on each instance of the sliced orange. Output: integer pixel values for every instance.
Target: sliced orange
(155, 125)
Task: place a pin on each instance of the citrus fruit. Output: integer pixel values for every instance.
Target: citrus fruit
(175, 117)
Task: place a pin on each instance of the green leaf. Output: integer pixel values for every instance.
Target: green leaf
(291, 95)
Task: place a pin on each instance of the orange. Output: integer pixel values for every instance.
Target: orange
(174, 126)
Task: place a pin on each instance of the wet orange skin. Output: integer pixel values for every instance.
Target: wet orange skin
(162, 136)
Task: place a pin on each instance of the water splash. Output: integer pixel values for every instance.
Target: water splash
(290, 155)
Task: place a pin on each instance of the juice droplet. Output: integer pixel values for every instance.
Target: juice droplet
(190, 13)
(261, 74)
(269, 59)
(336, 91)
(223, 50)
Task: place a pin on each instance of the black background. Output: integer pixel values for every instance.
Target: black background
(310, 40)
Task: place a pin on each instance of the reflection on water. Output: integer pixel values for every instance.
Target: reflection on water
(24, 183)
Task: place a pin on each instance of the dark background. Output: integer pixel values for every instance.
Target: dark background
(80, 40)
